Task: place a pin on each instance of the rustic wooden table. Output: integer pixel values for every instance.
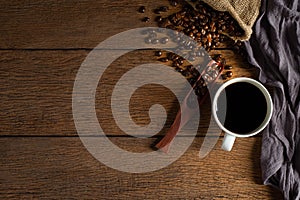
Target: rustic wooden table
(42, 46)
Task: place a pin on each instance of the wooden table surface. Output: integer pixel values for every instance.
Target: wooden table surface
(42, 46)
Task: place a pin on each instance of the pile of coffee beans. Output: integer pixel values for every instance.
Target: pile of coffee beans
(208, 28)
(202, 23)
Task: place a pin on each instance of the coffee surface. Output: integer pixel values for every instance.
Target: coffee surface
(246, 107)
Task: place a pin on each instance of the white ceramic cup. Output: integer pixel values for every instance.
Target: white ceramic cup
(230, 136)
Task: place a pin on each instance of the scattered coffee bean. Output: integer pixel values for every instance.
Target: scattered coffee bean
(148, 40)
(175, 64)
(155, 41)
(164, 40)
(146, 19)
(227, 67)
(229, 74)
(158, 53)
(192, 81)
(174, 3)
(178, 69)
(164, 59)
(217, 57)
(185, 73)
(164, 8)
(157, 11)
(200, 53)
(195, 73)
(172, 56)
(158, 19)
(191, 58)
(224, 76)
(142, 9)
(150, 31)
(180, 61)
(223, 61)
(152, 35)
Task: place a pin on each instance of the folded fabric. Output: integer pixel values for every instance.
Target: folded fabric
(274, 48)
(245, 12)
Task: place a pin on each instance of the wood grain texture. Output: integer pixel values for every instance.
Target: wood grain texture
(69, 24)
(36, 91)
(42, 46)
(72, 24)
(62, 168)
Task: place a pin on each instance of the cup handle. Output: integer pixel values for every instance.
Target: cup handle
(228, 142)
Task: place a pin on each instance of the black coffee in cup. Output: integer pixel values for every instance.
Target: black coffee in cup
(246, 107)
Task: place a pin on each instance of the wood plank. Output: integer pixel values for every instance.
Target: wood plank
(36, 91)
(44, 167)
(72, 24)
(69, 24)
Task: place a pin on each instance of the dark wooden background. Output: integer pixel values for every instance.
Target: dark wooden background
(42, 45)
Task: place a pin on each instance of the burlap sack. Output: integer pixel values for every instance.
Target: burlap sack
(244, 12)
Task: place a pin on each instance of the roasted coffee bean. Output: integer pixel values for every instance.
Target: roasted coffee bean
(158, 19)
(209, 38)
(174, 3)
(155, 41)
(229, 74)
(223, 61)
(201, 82)
(185, 56)
(164, 8)
(150, 31)
(164, 59)
(146, 19)
(158, 53)
(185, 73)
(217, 57)
(148, 40)
(192, 81)
(176, 57)
(199, 53)
(152, 35)
(164, 23)
(142, 9)
(164, 40)
(189, 67)
(157, 11)
(223, 27)
(171, 56)
(200, 91)
(203, 32)
(180, 61)
(224, 76)
(197, 91)
(179, 69)
(197, 67)
(193, 53)
(175, 64)
(203, 24)
(195, 73)
(227, 67)
(191, 58)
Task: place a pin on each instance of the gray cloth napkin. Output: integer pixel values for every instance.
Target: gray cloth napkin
(274, 48)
